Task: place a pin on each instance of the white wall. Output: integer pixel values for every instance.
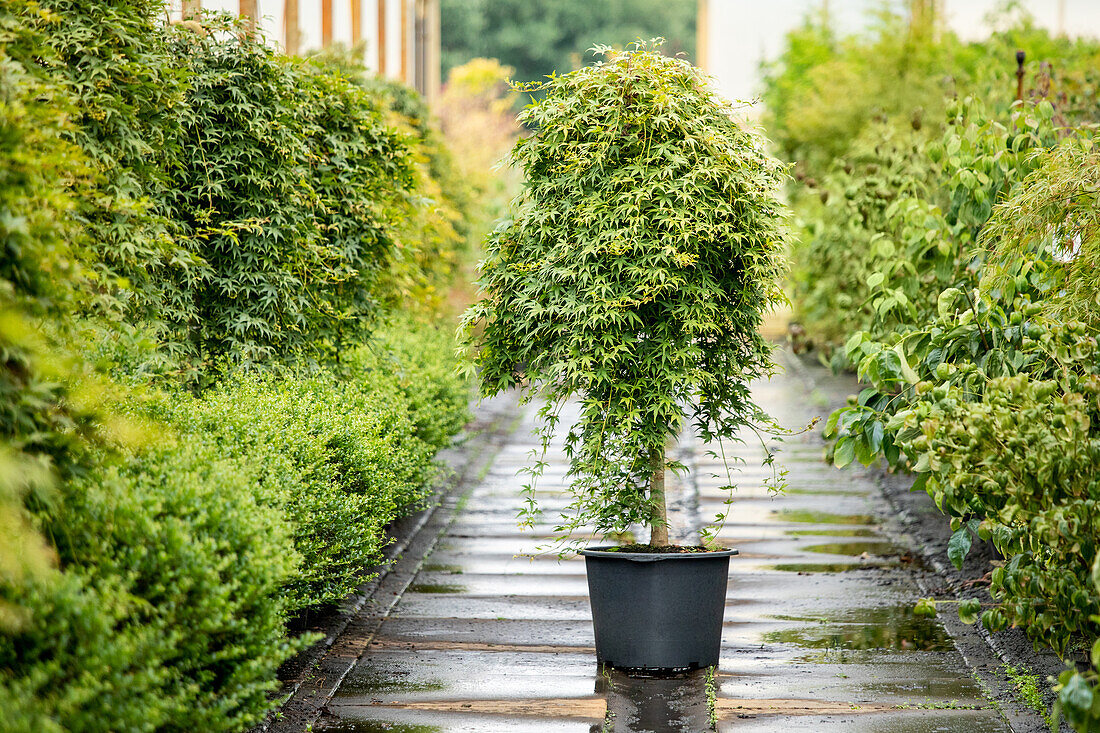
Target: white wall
(744, 32)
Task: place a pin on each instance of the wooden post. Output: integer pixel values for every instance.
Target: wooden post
(326, 22)
(658, 519)
(291, 33)
(192, 10)
(404, 45)
(420, 16)
(247, 10)
(433, 65)
(382, 37)
(356, 21)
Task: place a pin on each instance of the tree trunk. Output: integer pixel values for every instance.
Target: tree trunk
(658, 519)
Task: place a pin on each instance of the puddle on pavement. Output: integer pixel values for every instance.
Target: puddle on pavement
(385, 679)
(853, 532)
(891, 628)
(809, 516)
(874, 549)
(376, 726)
(441, 568)
(437, 588)
(826, 492)
(653, 704)
(827, 567)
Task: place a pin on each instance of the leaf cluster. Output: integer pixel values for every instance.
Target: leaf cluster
(287, 193)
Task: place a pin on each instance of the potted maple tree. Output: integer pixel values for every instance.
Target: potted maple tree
(631, 281)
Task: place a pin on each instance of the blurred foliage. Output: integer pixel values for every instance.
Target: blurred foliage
(538, 39)
(477, 119)
(39, 430)
(825, 89)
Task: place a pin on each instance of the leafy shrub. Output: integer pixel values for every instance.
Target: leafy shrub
(1052, 215)
(851, 230)
(900, 220)
(1020, 460)
(167, 615)
(634, 273)
(113, 62)
(292, 247)
(342, 455)
(963, 241)
(73, 662)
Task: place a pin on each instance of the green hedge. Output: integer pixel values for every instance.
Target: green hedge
(167, 614)
(341, 453)
(198, 437)
(181, 561)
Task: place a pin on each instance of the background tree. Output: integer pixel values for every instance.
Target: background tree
(537, 39)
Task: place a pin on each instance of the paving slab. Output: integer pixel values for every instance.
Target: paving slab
(819, 633)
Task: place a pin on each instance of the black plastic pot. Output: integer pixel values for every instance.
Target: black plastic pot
(657, 611)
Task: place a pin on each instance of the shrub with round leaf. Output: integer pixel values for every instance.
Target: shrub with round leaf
(634, 273)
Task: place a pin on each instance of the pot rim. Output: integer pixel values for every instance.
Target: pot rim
(602, 552)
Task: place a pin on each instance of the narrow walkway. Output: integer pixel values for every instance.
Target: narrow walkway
(819, 633)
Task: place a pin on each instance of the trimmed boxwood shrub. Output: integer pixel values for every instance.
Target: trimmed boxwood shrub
(167, 615)
(341, 454)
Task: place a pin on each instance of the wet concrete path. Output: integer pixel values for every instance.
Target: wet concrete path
(819, 634)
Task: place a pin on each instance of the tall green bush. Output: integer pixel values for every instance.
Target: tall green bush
(634, 272)
(113, 59)
(287, 191)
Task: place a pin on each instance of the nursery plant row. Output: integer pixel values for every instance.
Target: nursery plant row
(948, 256)
(210, 409)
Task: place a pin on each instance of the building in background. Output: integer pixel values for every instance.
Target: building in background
(401, 36)
(734, 36)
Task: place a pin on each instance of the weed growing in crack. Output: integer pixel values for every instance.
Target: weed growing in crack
(711, 690)
(1027, 693)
